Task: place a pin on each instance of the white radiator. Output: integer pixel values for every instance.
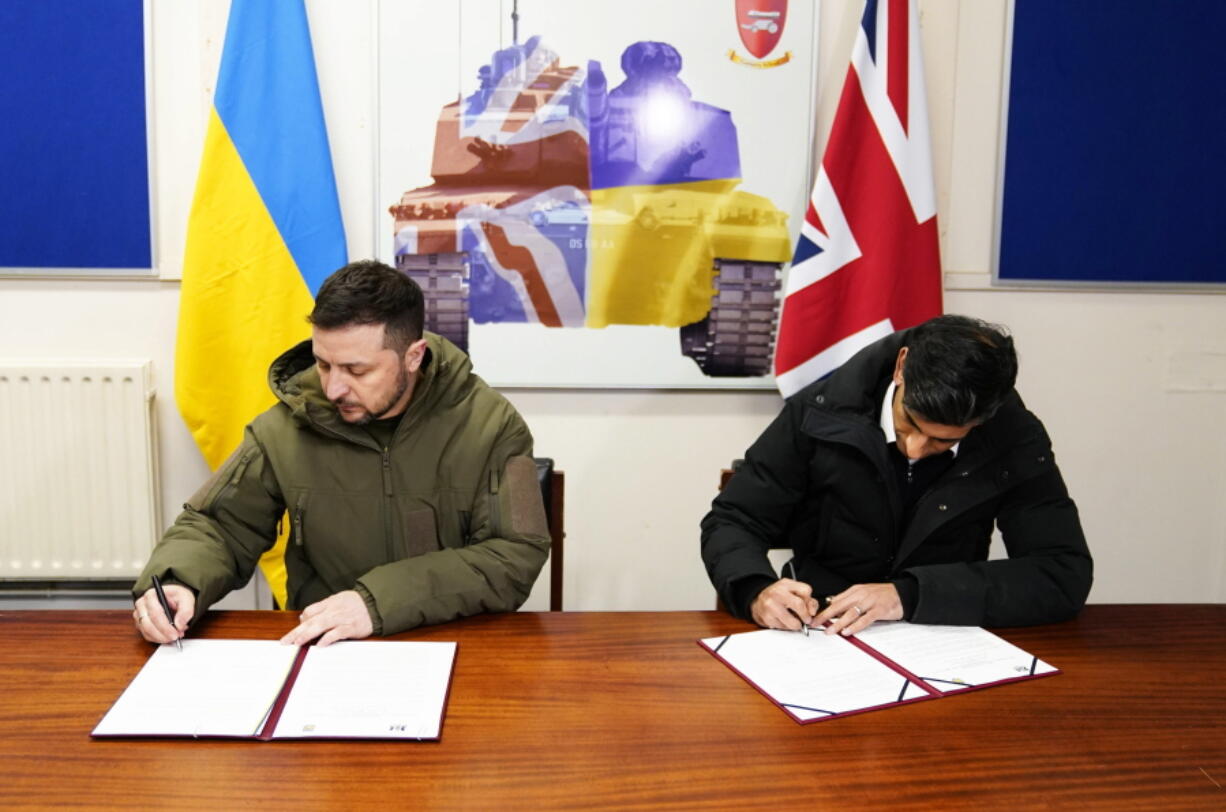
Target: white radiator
(78, 470)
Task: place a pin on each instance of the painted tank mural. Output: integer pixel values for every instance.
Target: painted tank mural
(560, 201)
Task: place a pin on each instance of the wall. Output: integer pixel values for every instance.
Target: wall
(1125, 381)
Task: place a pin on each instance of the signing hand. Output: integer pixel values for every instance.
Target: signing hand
(342, 616)
(151, 620)
(785, 604)
(856, 608)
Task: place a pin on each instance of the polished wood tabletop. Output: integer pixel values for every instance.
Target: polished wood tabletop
(623, 710)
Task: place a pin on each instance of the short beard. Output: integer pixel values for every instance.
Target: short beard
(402, 386)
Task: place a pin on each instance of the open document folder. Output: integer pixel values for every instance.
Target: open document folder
(261, 689)
(818, 676)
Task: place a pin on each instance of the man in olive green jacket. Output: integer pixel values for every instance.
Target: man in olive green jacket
(410, 484)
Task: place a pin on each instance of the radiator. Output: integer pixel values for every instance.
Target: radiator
(78, 470)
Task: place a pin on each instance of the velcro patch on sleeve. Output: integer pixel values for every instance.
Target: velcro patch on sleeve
(523, 491)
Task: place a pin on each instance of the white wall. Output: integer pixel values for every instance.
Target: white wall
(1130, 384)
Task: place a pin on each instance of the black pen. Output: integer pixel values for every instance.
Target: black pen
(157, 586)
(804, 627)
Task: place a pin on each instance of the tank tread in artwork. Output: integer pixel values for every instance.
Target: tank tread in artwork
(737, 338)
(443, 279)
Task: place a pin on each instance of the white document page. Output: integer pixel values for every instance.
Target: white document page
(952, 658)
(210, 688)
(369, 690)
(812, 676)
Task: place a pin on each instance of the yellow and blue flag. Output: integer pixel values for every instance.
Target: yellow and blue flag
(265, 229)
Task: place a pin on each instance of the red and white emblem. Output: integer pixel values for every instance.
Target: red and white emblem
(760, 24)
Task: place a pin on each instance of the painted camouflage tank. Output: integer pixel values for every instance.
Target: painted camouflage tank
(558, 201)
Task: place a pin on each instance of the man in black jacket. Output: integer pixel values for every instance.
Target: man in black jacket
(886, 479)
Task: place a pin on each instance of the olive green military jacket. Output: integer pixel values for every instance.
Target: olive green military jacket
(447, 521)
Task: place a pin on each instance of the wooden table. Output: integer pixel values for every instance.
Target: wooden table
(624, 711)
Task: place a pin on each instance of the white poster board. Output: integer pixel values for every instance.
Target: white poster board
(430, 55)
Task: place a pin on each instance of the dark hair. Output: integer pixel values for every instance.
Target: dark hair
(958, 370)
(369, 292)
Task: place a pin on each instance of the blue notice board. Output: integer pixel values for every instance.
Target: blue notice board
(74, 164)
(1113, 166)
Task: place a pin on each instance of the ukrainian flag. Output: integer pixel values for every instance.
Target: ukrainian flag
(265, 229)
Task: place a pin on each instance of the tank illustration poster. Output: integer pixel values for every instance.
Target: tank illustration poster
(600, 193)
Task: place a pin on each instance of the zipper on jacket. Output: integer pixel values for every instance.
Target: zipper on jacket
(298, 511)
(495, 506)
(388, 504)
(240, 469)
(232, 481)
(387, 473)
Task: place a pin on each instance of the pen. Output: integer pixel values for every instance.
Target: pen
(157, 586)
(804, 627)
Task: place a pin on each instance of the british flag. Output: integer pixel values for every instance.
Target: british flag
(867, 262)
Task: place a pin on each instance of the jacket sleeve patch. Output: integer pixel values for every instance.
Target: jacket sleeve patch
(524, 495)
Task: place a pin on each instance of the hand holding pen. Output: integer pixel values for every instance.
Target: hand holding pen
(163, 612)
(810, 610)
(785, 604)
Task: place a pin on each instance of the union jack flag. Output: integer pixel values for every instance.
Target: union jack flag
(868, 260)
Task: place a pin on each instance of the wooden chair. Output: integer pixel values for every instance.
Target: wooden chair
(553, 489)
(725, 474)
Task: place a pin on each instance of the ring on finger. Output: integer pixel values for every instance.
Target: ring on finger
(859, 611)
(141, 618)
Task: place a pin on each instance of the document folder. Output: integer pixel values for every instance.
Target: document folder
(817, 676)
(260, 689)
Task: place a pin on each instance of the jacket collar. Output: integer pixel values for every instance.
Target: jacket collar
(844, 406)
(445, 377)
(853, 394)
